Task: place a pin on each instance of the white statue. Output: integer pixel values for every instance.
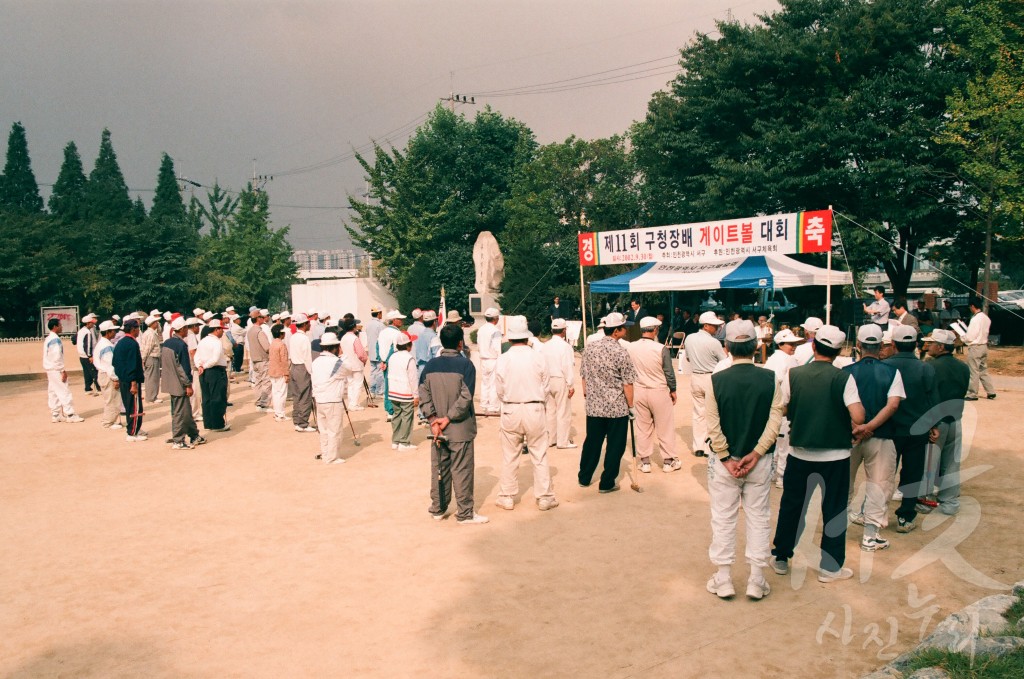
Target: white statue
(488, 262)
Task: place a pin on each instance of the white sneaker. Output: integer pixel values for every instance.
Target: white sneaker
(305, 429)
(505, 502)
(723, 589)
(897, 496)
(264, 410)
(440, 517)
(672, 465)
(353, 409)
(280, 418)
(406, 446)
(832, 576)
(117, 425)
(394, 446)
(477, 518)
(56, 418)
(159, 400)
(645, 467)
(132, 439)
(778, 482)
(758, 588)
(546, 503)
(74, 418)
(336, 460)
(570, 445)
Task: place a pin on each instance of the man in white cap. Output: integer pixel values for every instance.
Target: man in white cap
(804, 353)
(824, 407)
(426, 336)
(654, 396)
(237, 332)
(58, 394)
(607, 375)
(165, 332)
(373, 328)
(488, 341)
(880, 387)
(521, 377)
(176, 381)
(744, 411)
(561, 377)
(598, 333)
(127, 362)
(259, 355)
(386, 339)
(103, 360)
(952, 379)
(300, 354)
(316, 327)
(192, 327)
(781, 362)
(328, 378)
(212, 364)
(416, 327)
(403, 392)
(149, 345)
(703, 352)
(86, 344)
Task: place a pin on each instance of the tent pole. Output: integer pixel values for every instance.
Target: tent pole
(583, 302)
(828, 279)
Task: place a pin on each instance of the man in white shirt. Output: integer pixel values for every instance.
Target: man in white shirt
(328, 378)
(57, 393)
(654, 397)
(300, 354)
(373, 329)
(976, 340)
(194, 326)
(780, 363)
(804, 353)
(703, 352)
(561, 376)
(488, 340)
(598, 333)
(212, 364)
(878, 310)
(103, 360)
(85, 343)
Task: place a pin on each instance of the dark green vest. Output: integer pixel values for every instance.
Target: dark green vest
(817, 415)
(744, 395)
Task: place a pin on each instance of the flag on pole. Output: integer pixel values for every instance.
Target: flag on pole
(442, 313)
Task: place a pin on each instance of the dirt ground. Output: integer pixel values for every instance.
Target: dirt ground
(247, 558)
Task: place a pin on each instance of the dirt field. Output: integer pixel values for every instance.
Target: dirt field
(246, 558)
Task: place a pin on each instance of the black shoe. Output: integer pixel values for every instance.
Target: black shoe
(970, 398)
(609, 490)
(584, 485)
(229, 404)
(991, 396)
(699, 453)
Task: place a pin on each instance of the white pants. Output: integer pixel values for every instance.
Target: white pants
(524, 422)
(559, 414)
(782, 448)
(354, 389)
(111, 399)
(488, 385)
(58, 395)
(278, 394)
(699, 386)
(197, 397)
(655, 421)
(879, 458)
(727, 493)
(328, 423)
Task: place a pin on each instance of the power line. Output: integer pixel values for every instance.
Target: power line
(579, 77)
(600, 82)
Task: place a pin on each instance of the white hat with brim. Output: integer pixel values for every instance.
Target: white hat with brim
(329, 339)
(740, 331)
(648, 322)
(614, 320)
(812, 324)
(787, 337)
(300, 318)
(558, 324)
(947, 337)
(869, 334)
(830, 336)
(88, 317)
(214, 323)
(491, 312)
(517, 328)
(904, 333)
(709, 318)
(178, 323)
(193, 321)
(395, 315)
(429, 315)
(107, 326)
(150, 320)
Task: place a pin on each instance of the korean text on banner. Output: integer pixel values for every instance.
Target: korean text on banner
(784, 234)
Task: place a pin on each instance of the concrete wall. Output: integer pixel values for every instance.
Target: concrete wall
(338, 297)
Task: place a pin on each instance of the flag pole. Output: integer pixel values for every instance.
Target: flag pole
(828, 276)
(583, 297)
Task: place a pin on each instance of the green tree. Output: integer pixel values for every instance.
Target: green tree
(822, 102)
(18, 188)
(138, 211)
(106, 192)
(219, 208)
(167, 202)
(67, 200)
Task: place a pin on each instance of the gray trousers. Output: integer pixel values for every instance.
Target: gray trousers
(451, 468)
(950, 446)
(303, 387)
(182, 422)
(977, 361)
(401, 422)
(151, 368)
(261, 383)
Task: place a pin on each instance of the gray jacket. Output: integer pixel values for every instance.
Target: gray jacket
(173, 377)
(446, 390)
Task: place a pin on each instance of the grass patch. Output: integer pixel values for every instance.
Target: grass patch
(960, 666)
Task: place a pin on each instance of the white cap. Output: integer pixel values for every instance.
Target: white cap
(264, 312)
(429, 315)
(740, 331)
(215, 323)
(416, 313)
(812, 324)
(787, 337)
(300, 318)
(392, 315)
(230, 309)
(558, 324)
(830, 336)
(869, 334)
(947, 337)
(518, 328)
(904, 333)
(329, 339)
(132, 317)
(285, 314)
(275, 317)
(192, 321)
(88, 317)
(198, 311)
(178, 323)
(491, 312)
(154, 312)
(600, 323)
(115, 317)
(150, 320)
(208, 315)
(614, 320)
(649, 322)
(167, 315)
(709, 318)
(311, 312)
(403, 339)
(106, 326)
(453, 316)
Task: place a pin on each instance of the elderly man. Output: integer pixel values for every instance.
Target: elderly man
(423, 345)
(85, 343)
(212, 363)
(127, 362)
(561, 375)
(149, 345)
(259, 355)
(654, 396)
(824, 407)
(300, 354)
(176, 381)
(488, 341)
(373, 328)
(521, 377)
(58, 394)
(193, 326)
(328, 378)
(103, 360)
(780, 363)
(703, 352)
(952, 379)
(744, 411)
(804, 353)
(607, 376)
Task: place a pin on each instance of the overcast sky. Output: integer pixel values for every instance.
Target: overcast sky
(294, 85)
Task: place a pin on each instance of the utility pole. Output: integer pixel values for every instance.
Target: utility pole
(453, 99)
(259, 181)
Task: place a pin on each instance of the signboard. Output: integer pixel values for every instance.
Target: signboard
(68, 316)
(784, 234)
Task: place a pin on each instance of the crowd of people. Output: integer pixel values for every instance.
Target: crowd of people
(802, 417)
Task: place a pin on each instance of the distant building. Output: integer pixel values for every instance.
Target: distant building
(327, 264)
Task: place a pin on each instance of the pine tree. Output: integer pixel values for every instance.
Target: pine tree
(67, 201)
(138, 211)
(167, 203)
(18, 190)
(107, 192)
